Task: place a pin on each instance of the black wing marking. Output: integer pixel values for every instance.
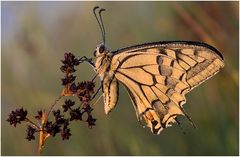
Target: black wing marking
(153, 44)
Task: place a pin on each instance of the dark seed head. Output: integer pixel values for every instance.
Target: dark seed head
(75, 114)
(59, 119)
(68, 79)
(17, 116)
(30, 133)
(91, 121)
(52, 128)
(65, 133)
(67, 105)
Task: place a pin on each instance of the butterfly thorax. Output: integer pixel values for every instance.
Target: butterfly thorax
(102, 61)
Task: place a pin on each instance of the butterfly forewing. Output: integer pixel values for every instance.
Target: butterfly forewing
(198, 61)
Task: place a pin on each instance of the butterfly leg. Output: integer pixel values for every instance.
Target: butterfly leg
(95, 94)
(89, 60)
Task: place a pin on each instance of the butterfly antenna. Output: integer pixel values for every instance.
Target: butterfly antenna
(104, 33)
(99, 23)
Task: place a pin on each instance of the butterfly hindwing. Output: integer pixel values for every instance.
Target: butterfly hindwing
(156, 99)
(158, 76)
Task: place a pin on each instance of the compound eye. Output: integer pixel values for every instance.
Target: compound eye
(101, 49)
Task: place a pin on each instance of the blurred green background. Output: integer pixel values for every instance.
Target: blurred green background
(35, 36)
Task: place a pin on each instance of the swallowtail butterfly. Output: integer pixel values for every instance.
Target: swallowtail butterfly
(156, 75)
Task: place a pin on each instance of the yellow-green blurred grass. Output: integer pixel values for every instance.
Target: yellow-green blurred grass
(31, 76)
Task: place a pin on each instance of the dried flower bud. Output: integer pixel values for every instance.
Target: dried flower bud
(58, 117)
(91, 121)
(65, 133)
(17, 116)
(69, 62)
(85, 90)
(68, 104)
(73, 88)
(88, 109)
(69, 59)
(30, 133)
(52, 128)
(68, 79)
(75, 114)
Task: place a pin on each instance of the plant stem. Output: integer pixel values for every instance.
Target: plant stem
(43, 134)
(33, 124)
(40, 146)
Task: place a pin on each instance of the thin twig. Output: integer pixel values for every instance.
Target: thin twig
(95, 94)
(33, 124)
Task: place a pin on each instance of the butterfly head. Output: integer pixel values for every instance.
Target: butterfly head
(100, 50)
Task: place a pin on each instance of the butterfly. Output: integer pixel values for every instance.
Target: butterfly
(157, 75)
